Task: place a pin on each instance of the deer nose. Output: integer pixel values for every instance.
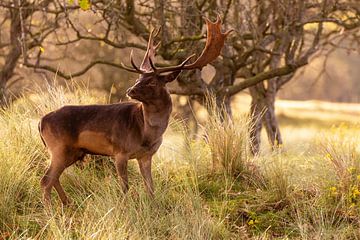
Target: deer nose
(130, 91)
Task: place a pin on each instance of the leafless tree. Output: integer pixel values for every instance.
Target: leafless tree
(287, 33)
(24, 26)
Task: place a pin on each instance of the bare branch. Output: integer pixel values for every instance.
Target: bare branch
(231, 90)
(75, 74)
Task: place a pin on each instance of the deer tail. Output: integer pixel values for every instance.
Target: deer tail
(40, 128)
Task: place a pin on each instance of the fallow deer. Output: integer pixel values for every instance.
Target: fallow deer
(124, 130)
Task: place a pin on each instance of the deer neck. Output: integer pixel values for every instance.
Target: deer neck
(156, 117)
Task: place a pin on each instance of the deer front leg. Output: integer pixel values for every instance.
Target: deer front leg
(121, 169)
(145, 169)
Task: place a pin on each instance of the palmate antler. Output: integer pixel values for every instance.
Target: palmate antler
(214, 43)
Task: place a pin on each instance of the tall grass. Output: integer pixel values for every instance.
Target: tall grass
(100, 209)
(227, 142)
(206, 188)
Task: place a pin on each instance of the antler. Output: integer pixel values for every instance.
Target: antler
(147, 63)
(214, 43)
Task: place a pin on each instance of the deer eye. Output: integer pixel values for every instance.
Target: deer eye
(152, 84)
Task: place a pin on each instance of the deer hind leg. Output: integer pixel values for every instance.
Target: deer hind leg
(46, 186)
(60, 160)
(121, 169)
(145, 169)
(51, 179)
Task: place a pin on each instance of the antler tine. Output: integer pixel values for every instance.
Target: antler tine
(218, 19)
(187, 59)
(175, 68)
(152, 65)
(158, 45)
(129, 68)
(157, 31)
(146, 64)
(155, 34)
(135, 69)
(133, 63)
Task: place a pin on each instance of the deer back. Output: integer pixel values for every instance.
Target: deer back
(99, 129)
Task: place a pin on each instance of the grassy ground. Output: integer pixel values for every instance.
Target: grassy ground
(208, 188)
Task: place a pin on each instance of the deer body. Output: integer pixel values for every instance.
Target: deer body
(123, 130)
(122, 127)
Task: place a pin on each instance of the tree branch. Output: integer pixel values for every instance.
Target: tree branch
(248, 82)
(76, 74)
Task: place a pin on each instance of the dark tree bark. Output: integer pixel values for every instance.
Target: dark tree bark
(224, 76)
(270, 121)
(13, 56)
(263, 113)
(7, 72)
(256, 112)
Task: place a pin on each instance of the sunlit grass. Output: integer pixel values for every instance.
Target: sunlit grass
(207, 187)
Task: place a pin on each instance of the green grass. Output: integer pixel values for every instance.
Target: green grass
(209, 187)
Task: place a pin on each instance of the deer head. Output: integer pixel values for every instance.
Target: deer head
(150, 85)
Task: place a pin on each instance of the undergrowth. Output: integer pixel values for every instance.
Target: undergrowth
(208, 187)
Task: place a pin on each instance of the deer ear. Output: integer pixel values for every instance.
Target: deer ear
(171, 77)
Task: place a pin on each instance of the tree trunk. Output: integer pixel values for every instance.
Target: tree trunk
(12, 57)
(263, 112)
(3, 98)
(7, 72)
(270, 121)
(257, 109)
(224, 76)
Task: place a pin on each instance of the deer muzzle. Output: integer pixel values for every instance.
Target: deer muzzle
(132, 92)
